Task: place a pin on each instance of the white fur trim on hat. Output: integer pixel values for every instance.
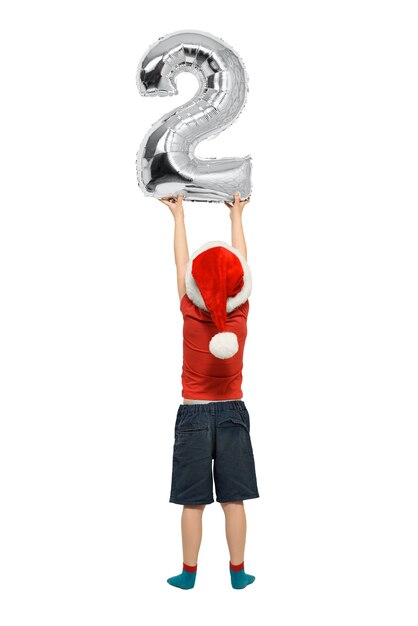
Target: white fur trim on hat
(193, 290)
(224, 345)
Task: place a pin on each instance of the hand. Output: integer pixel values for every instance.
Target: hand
(238, 205)
(175, 204)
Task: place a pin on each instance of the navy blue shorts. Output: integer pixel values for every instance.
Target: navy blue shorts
(218, 433)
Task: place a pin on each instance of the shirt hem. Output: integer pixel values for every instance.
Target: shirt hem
(202, 398)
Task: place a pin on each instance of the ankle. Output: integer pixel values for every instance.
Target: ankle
(189, 568)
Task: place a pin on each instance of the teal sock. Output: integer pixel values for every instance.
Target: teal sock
(186, 579)
(239, 579)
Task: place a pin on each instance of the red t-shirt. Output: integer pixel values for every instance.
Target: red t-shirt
(204, 376)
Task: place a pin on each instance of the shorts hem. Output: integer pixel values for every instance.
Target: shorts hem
(190, 502)
(237, 499)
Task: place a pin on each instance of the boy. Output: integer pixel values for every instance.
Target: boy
(213, 422)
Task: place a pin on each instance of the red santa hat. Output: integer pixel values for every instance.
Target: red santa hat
(218, 280)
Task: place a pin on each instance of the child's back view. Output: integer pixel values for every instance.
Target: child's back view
(213, 424)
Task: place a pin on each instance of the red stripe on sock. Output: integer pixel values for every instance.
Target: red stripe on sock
(190, 568)
(236, 568)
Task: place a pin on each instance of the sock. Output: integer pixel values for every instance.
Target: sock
(186, 579)
(239, 579)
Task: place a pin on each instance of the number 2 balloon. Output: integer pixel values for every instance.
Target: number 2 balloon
(165, 163)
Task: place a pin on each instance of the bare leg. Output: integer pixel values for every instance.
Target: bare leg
(235, 529)
(191, 532)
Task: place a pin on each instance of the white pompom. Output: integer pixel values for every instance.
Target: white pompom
(224, 345)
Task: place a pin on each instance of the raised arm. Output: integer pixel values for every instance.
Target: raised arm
(237, 230)
(181, 251)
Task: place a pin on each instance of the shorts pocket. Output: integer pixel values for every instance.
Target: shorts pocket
(188, 430)
(234, 417)
(188, 425)
(234, 436)
(232, 420)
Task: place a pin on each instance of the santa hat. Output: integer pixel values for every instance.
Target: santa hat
(218, 280)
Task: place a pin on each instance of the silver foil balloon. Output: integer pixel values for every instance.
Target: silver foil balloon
(165, 163)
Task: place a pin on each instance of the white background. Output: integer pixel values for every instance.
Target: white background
(91, 327)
